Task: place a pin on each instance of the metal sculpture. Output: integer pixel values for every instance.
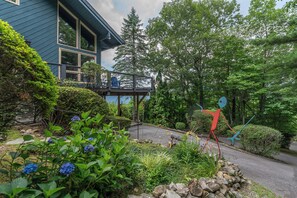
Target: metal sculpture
(216, 115)
(235, 136)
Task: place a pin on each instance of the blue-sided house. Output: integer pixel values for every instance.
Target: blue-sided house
(67, 34)
(62, 31)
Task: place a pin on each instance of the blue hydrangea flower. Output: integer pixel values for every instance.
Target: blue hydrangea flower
(67, 168)
(90, 139)
(50, 141)
(64, 138)
(30, 168)
(89, 148)
(75, 118)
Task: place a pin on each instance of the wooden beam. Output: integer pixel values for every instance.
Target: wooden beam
(119, 105)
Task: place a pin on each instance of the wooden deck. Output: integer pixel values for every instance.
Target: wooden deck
(107, 83)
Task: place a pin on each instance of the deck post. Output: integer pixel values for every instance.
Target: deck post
(119, 105)
(134, 82)
(137, 108)
(109, 80)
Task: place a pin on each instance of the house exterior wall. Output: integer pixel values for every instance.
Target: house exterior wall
(36, 20)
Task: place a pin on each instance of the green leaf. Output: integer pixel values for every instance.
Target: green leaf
(86, 194)
(5, 189)
(47, 133)
(47, 186)
(19, 183)
(14, 155)
(28, 137)
(53, 191)
(30, 193)
(17, 190)
(85, 115)
(68, 196)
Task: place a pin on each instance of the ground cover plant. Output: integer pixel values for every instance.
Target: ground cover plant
(180, 164)
(93, 161)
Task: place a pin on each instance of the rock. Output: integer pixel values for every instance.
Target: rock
(204, 186)
(171, 194)
(172, 186)
(183, 192)
(236, 186)
(195, 189)
(219, 195)
(222, 182)
(220, 174)
(253, 194)
(180, 186)
(237, 179)
(224, 189)
(211, 195)
(141, 196)
(190, 196)
(163, 195)
(228, 177)
(235, 194)
(159, 190)
(214, 187)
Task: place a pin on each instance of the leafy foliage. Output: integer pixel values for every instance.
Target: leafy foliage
(120, 122)
(180, 126)
(73, 101)
(94, 158)
(260, 139)
(200, 122)
(25, 79)
(180, 164)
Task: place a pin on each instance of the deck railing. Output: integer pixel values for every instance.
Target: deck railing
(106, 80)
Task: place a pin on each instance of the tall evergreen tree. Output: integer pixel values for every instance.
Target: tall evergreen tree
(130, 57)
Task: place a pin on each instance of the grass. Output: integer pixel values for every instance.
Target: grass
(179, 165)
(258, 189)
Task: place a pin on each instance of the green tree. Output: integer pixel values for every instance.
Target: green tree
(130, 57)
(182, 42)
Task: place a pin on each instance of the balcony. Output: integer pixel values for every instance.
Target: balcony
(106, 83)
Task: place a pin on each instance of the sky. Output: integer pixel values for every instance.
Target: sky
(114, 12)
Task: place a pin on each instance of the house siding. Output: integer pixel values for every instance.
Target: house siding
(36, 20)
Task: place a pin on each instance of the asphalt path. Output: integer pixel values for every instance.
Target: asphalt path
(278, 176)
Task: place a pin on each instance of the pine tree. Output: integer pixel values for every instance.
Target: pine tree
(130, 57)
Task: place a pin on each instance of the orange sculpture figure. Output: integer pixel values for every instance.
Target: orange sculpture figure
(216, 115)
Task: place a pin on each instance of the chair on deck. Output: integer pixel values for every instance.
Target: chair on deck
(115, 83)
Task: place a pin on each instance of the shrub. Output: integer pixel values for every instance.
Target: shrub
(25, 78)
(259, 139)
(73, 101)
(120, 122)
(95, 159)
(200, 122)
(180, 126)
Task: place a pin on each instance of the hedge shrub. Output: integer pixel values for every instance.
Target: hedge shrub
(25, 78)
(120, 122)
(200, 122)
(259, 139)
(180, 126)
(73, 101)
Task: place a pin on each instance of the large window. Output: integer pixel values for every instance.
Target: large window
(67, 28)
(87, 39)
(73, 33)
(17, 2)
(74, 61)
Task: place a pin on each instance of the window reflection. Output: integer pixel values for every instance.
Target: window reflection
(87, 39)
(67, 28)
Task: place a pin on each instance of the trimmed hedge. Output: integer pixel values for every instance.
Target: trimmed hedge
(180, 126)
(120, 122)
(73, 101)
(259, 139)
(200, 122)
(25, 78)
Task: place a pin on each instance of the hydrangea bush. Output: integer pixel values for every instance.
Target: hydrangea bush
(93, 160)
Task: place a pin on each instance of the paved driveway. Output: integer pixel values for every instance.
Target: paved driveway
(281, 178)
